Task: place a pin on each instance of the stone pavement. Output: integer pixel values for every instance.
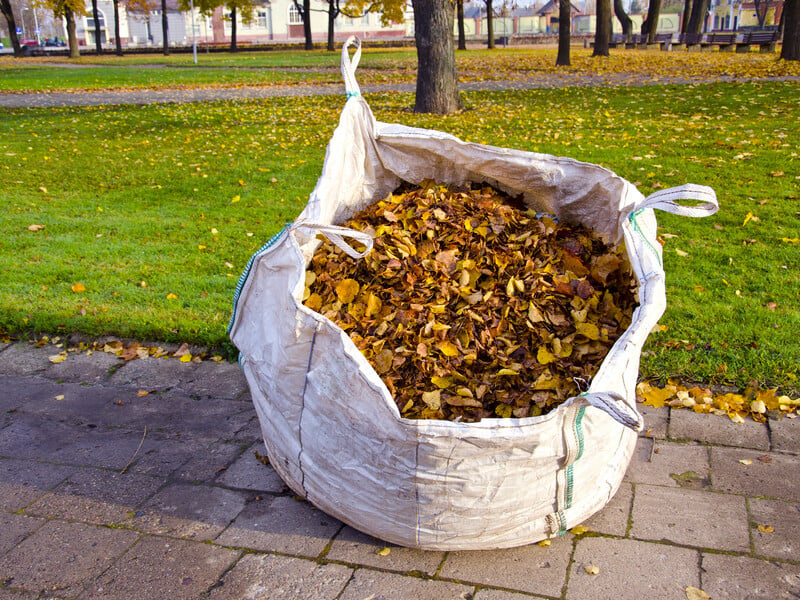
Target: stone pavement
(107, 492)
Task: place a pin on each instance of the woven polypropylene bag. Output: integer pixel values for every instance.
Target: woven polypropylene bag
(331, 427)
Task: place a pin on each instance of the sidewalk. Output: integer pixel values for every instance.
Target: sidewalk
(107, 492)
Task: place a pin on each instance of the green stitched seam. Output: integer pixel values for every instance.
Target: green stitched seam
(637, 229)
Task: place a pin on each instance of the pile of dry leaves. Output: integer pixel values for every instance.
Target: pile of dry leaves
(469, 306)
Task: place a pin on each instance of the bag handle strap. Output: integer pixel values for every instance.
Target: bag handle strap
(337, 236)
(615, 406)
(666, 200)
(349, 66)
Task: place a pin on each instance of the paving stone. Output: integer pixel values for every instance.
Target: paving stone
(743, 578)
(690, 517)
(163, 568)
(60, 557)
(96, 496)
(281, 578)
(784, 518)
(489, 594)
(717, 429)
(6, 594)
(631, 570)
(154, 373)
(165, 455)
(15, 528)
(17, 391)
(251, 474)
(390, 586)
(216, 380)
(281, 524)
(785, 435)
(655, 421)
(772, 474)
(23, 481)
(196, 512)
(671, 464)
(23, 358)
(613, 518)
(251, 431)
(207, 465)
(31, 438)
(354, 547)
(107, 448)
(532, 568)
(82, 368)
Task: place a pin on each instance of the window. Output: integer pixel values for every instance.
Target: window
(294, 15)
(262, 19)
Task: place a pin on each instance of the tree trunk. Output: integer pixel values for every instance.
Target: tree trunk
(117, 41)
(462, 36)
(233, 27)
(791, 30)
(696, 20)
(331, 21)
(437, 81)
(8, 13)
(624, 20)
(564, 23)
(98, 45)
(602, 34)
(489, 24)
(307, 24)
(687, 11)
(164, 28)
(72, 37)
(653, 13)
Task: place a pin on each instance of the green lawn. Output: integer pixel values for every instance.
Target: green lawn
(156, 209)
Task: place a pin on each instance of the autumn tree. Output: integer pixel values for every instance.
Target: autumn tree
(437, 81)
(791, 30)
(687, 11)
(602, 34)
(489, 24)
(462, 37)
(8, 13)
(391, 11)
(164, 29)
(697, 18)
(98, 43)
(650, 25)
(305, 15)
(624, 20)
(68, 10)
(564, 22)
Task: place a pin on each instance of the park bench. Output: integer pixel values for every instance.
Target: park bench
(767, 41)
(726, 42)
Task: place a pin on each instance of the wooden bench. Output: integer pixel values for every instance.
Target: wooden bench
(726, 42)
(767, 41)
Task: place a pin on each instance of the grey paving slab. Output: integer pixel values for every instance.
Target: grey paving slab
(533, 568)
(61, 557)
(98, 496)
(155, 373)
(785, 435)
(691, 518)
(251, 474)
(216, 380)
(23, 481)
(82, 368)
(783, 541)
(631, 570)
(717, 429)
(281, 524)
(6, 594)
(251, 431)
(377, 585)
(613, 518)
(196, 512)
(23, 358)
(281, 578)
(14, 528)
(744, 578)
(771, 474)
(655, 421)
(17, 391)
(354, 547)
(30, 437)
(209, 464)
(104, 447)
(490, 594)
(673, 464)
(162, 568)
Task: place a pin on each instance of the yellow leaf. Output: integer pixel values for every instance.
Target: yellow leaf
(60, 397)
(383, 551)
(766, 528)
(142, 393)
(172, 296)
(590, 330)
(592, 569)
(544, 356)
(35, 227)
(693, 593)
(746, 461)
(747, 219)
(579, 530)
(681, 253)
(58, 358)
(374, 305)
(78, 288)
(235, 199)
(790, 240)
(186, 358)
(507, 372)
(43, 189)
(432, 400)
(347, 290)
(447, 348)
(441, 382)
(544, 543)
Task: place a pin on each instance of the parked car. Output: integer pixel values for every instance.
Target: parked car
(55, 43)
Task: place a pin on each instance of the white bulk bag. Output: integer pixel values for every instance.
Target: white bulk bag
(331, 427)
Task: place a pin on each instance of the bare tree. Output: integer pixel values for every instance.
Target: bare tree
(564, 23)
(8, 13)
(437, 81)
(791, 30)
(98, 43)
(462, 37)
(698, 16)
(624, 20)
(602, 34)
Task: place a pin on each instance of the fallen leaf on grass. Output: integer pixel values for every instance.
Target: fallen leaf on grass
(78, 288)
(35, 227)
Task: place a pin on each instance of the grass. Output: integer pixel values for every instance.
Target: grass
(156, 209)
